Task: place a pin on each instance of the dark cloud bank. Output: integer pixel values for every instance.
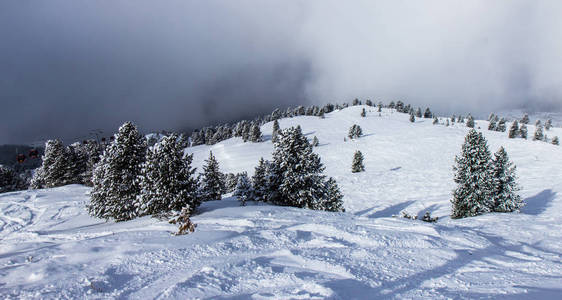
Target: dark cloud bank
(67, 67)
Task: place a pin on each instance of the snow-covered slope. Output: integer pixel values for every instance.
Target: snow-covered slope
(51, 248)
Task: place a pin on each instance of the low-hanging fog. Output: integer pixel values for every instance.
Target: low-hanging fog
(69, 67)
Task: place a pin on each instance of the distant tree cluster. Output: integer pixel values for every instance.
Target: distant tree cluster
(293, 177)
(483, 184)
(10, 180)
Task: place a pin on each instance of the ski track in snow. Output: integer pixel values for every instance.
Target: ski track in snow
(51, 248)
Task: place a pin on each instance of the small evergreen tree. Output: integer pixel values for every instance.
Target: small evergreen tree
(539, 135)
(275, 131)
(525, 119)
(470, 121)
(412, 118)
(355, 131)
(504, 192)
(357, 165)
(332, 198)
(369, 102)
(54, 167)
(501, 125)
(523, 131)
(356, 102)
(260, 181)
(427, 114)
(363, 113)
(555, 141)
(315, 142)
(115, 179)
(9, 180)
(548, 124)
(471, 197)
(418, 113)
(243, 191)
(255, 133)
(211, 182)
(513, 130)
(491, 117)
(167, 181)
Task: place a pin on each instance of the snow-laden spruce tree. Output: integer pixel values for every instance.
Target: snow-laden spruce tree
(471, 197)
(539, 135)
(556, 141)
(504, 192)
(501, 125)
(427, 114)
(255, 133)
(211, 181)
(493, 124)
(115, 180)
(295, 174)
(355, 131)
(275, 131)
(357, 164)
(412, 118)
(525, 119)
(260, 181)
(167, 181)
(243, 191)
(315, 141)
(513, 130)
(418, 112)
(470, 121)
(9, 180)
(54, 167)
(523, 131)
(548, 124)
(332, 199)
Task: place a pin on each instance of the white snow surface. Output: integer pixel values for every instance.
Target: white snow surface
(51, 248)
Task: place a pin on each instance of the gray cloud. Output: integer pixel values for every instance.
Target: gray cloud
(67, 67)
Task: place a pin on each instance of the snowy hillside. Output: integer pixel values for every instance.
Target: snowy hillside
(51, 248)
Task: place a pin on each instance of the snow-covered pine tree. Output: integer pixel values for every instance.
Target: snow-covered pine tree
(525, 119)
(54, 167)
(332, 199)
(355, 102)
(197, 138)
(275, 131)
(418, 112)
(167, 181)
(357, 164)
(523, 131)
(555, 141)
(77, 159)
(295, 175)
(230, 182)
(501, 125)
(255, 133)
(491, 117)
(504, 192)
(412, 118)
(513, 130)
(211, 181)
(368, 102)
(93, 152)
(548, 124)
(363, 113)
(435, 120)
(115, 180)
(391, 104)
(260, 182)
(470, 121)
(539, 135)
(315, 142)
(471, 197)
(9, 180)
(493, 125)
(243, 190)
(355, 131)
(427, 114)
(246, 127)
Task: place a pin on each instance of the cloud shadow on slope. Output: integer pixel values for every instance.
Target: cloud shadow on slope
(538, 204)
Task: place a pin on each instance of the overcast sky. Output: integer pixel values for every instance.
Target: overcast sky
(68, 67)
